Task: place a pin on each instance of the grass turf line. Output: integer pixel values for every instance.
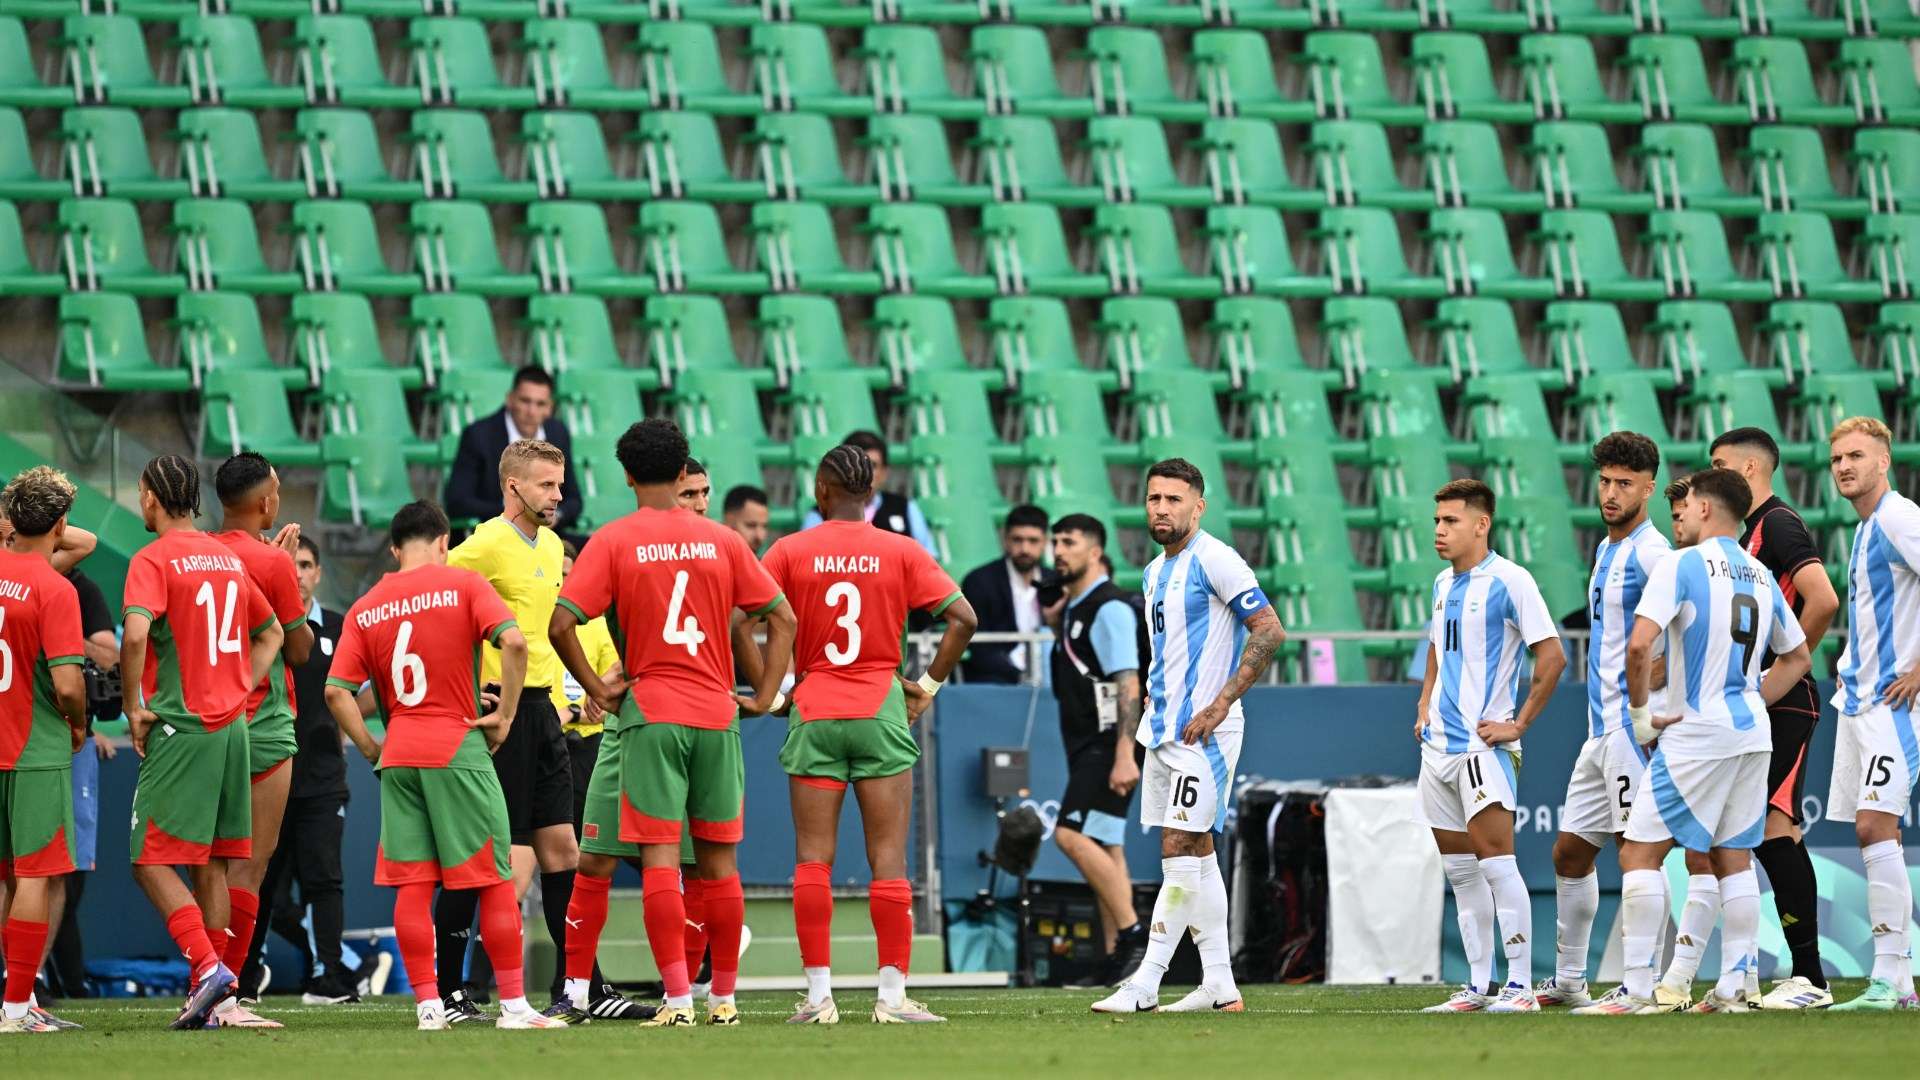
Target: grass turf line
(1331, 1031)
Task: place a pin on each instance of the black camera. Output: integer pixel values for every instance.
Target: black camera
(103, 691)
(1049, 586)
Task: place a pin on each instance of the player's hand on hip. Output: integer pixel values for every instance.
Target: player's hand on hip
(139, 723)
(1662, 723)
(1420, 724)
(1493, 734)
(1902, 691)
(917, 699)
(1125, 774)
(614, 696)
(288, 538)
(1203, 723)
(78, 737)
(493, 728)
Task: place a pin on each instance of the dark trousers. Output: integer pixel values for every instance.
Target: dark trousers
(309, 855)
(67, 961)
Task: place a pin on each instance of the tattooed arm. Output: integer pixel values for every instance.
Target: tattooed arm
(1125, 772)
(1264, 635)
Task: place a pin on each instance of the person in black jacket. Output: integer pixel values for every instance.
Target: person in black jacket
(1003, 595)
(473, 482)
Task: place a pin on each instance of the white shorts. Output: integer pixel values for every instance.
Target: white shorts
(1187, 787)
(1702, 804)
(1456, 787)
(1876, 756)
(1600, 793)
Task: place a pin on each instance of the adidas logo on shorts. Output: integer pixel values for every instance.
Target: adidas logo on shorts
(1517, 939)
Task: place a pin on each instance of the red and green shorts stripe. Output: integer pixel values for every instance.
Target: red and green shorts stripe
(444, 825)
(835, 753)
(195, 797)
(36, 822)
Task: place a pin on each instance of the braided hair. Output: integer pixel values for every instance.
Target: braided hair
(175, 484)
(850, 468)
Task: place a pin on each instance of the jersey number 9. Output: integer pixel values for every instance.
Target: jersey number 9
(1743, 624)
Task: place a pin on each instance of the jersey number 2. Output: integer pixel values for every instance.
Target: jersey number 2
(222, 635)
(849, 593)
(677, 632)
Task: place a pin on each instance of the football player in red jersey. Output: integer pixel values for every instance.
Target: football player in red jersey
(852, 586)
(671, 749)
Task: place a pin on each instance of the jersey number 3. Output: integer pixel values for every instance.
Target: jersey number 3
(848, 593)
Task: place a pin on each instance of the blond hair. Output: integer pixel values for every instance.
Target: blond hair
(35, 501)
(1869, 426)
(521, 454)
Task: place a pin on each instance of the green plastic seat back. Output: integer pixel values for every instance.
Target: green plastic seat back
(688, 333)
(1031, 334)
(572, 333)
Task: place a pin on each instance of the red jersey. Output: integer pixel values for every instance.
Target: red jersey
(851, 586)
(670, 580)
(416, 635)
(204, 610)
(272, 570)
(39, 631)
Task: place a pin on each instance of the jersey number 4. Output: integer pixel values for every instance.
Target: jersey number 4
(845, 592)
(676, 631)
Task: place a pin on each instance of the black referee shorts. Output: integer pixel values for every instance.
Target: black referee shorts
(1088, 806)
(1793, 719)
(535, 771)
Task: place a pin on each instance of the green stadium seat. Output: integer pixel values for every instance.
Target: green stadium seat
(1776, 83)
(793, 69)
(454, 251)
(1896, 338)
(247, 410)
(797, 157)
(1349, 79)
(1479, 16)
(604, 496)
(103, 346)
(1454, 78)
(1469, 247)
(1259, 14)
(1175, 403)
(681, 245)
(454, 156)
(364, 401)
(453, 337)
(919, 339)
(684, 333)
(106, 57)
(1402, 402)
(217, 247)
(1027, 252)
(1311, 600)
(1697, 338)
(1253, 335)
(1361, 250)
(1063, 477)
(1530, 468)
(1538, 534)
(20, 86)
(1587, 339)
(339, 63)
(1355, 167)
(462, 395)
(365, 481)
(797, 245)
(1021, 157)
(722, 405)
(221, 156)
(599, 406)
(717, 12)
(1375, 15)
(222, 63)
(905, 70)
(1066, 404)
(914, 253)
(822, 407)
(1132, 163)
(571, 334)
(567, 64)
(925, 11)
(1142, 334)
(17, 274)
(1788, 168)
(1405, 467)
(1247, 249)
(338, 330)
(803, 333)
(1512, 407)
(1291, 405)
(1027, 335)
(908, 157)
(1787, 18)
(1680, 165)
(1724, 400)
(19, 178)
(106, 154)
(1877, 79)
(1290, 468)
(1886, 169)
(572, 251)
(1581, 253)
(1465, 166)
(1870, 18)
(1685, 18)
(1691, 248)
(1478, 337)
(1595, 18)
(1563, 81)
(1891, 245)
(568, 158)
(1573, 164)
(1244, 164)
(1806, 338)
(1235, 72)
(1128, 76)
(337, 249)
(1364, 335)
(1798, 252)
(453, 64)
(1825, 399)
(103, 246)
(340, 158)
(1309, 531)
(1138, 249)
(1013, 70)
(1669, 78)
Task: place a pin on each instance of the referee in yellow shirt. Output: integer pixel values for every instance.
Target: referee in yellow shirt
(520, 555)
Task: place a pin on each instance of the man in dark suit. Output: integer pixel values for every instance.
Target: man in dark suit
(1003, 596)
(473, 483)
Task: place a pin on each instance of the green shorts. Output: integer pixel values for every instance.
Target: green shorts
(270, 743)
(36, 822)
(844, 751)
(445, 825)
(671, 773)
(194, 800)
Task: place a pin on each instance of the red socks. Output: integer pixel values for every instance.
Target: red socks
(726, 914)
(25, 942)
(693, 893)
(586, 918)
(500, 936)
(189, 931)
(813, 913)
(891, 905)
(245, 911)
(413, 930)
(666, 918)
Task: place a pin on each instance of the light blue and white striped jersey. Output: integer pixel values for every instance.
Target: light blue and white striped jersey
(1197, 604)
(1883, 604)
(1722, 610)
(1482, 621)
(1620, 571)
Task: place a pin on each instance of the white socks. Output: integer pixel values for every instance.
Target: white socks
(577, 993)
(1641, 893)
(1515, 906)
(515, 1005)
(893, 987)
(1192, 894)
(1697, 918)
(1474, 901)
(1889, 902)
(819, 984)
(14, 1010)
(1207, 917)
(1740, 907)
(1577, 903)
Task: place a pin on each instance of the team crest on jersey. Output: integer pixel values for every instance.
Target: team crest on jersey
(590, 831)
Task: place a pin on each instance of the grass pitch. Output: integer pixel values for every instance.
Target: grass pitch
(1317, 1031)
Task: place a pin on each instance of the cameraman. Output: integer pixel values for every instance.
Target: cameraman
(1003, 595)
(1097, 660)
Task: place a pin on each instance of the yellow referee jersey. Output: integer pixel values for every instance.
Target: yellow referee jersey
(597, 642)
(526, 574)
